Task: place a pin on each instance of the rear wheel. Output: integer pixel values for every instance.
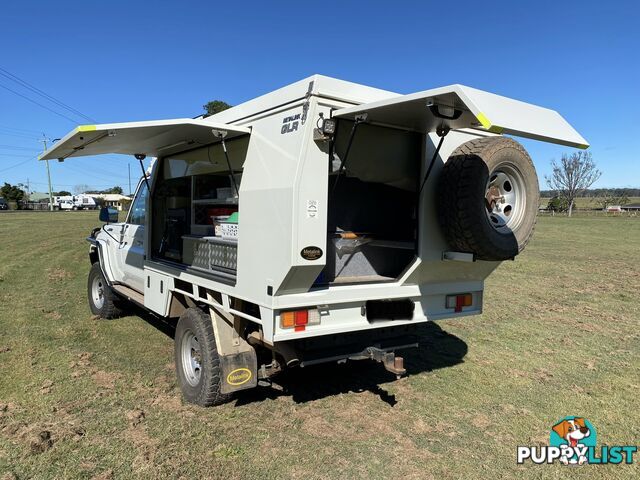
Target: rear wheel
(197, 360)
(102, 300)
(488, 198)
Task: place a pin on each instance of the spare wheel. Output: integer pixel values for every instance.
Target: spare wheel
(488, 198)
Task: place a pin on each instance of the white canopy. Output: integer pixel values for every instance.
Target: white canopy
(458, 106)
(154, 138)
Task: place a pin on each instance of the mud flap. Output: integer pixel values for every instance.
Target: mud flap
(239, 371)
(238, 360)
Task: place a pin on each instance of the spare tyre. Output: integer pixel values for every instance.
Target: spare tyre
(488, 198)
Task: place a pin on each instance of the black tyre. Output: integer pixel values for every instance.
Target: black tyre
(488, 198)
(102, 300)
(197, 361)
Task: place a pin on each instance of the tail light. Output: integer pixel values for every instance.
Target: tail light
(299, 319)
(458, 301)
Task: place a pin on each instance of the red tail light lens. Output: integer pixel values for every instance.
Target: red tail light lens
(301, 318)
(458, 301)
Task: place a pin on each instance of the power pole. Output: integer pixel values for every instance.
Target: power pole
(44, 142)
(129, 166)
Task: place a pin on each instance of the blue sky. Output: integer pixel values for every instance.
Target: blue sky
(124, 61)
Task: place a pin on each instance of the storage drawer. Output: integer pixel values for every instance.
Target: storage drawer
(211, 253)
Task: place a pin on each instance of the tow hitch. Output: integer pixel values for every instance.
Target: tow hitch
(389, 360)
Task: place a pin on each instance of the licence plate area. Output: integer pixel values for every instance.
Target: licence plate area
(396, 309)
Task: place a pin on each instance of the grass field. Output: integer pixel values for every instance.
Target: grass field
(87, 398)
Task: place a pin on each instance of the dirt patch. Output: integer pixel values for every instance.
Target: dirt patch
(481, 421)
(58, 274)
(40, 442)
(106, 475)
(135, 417)
(104, 379)
(79, 366)
(170, 402)
(542, 374)
(39, 437)
(5, 349)
(46, 387)
(6, 409)
(84, 359)
(145, 446)
(53, 315)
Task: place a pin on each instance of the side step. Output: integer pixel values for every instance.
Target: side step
(130, 294)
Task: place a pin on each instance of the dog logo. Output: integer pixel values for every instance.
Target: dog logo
(576, 433)
(572, 441)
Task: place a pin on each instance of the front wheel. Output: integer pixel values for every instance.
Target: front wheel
(197, 361)
(102, 300)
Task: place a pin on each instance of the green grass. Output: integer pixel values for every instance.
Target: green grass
(559, 336)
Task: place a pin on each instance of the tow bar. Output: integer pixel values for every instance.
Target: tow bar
(389, 360)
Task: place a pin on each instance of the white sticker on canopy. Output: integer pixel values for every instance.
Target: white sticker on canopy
(312, 208)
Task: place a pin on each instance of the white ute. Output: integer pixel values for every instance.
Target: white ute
(320, 222)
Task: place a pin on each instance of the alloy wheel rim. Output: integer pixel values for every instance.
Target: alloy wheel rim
(505, 200)
(191, 358)
(97, 292)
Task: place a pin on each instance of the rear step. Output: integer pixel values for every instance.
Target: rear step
(129, 293)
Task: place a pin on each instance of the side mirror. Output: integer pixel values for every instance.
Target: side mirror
(108, 215)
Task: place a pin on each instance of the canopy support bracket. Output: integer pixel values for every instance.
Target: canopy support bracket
(221, 134)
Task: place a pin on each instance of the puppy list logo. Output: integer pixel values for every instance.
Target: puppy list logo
(572, 441)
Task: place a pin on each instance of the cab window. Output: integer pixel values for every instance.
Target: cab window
(137, 211)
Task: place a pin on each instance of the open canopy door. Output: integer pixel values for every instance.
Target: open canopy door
(458, 106)
(153, 138)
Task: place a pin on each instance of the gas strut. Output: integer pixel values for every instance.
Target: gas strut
(442, 131)
(221, 134)
(358, 120)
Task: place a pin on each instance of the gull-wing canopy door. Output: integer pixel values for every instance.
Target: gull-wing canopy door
(458, 106)
(154, 138)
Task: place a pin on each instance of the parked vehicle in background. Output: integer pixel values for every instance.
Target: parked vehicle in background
(324, 221)
(74, 202)
(614, 209)
(3, 204)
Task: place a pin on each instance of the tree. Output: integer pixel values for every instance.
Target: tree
(557, 204)
(215, 106)
(611, 197)
(82, 188)
(116, 189)
(12, 193)
(61, 193)
(572, 176)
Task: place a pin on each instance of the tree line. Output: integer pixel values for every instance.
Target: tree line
(598, 192)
